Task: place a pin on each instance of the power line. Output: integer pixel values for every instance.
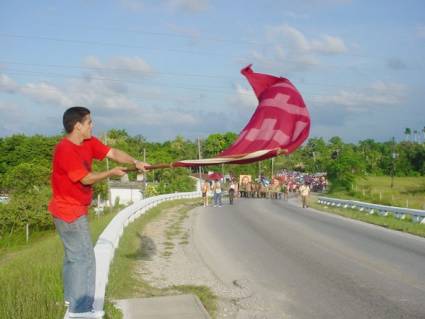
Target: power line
(211, 90)
(166, 34)
(215, 39)
(121, 45)
(202, 53)
(127, 81)
(95, 78)
(117, 69)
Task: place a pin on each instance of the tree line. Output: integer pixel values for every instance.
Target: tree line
(25, 165)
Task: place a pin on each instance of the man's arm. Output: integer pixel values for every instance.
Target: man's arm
(124, 158)
(92, 177)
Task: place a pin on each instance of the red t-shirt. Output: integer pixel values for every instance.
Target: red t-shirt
(71, 162)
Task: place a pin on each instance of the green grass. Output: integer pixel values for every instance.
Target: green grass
(31, 276)
(388, 222)
(407, 191)
(125, 282)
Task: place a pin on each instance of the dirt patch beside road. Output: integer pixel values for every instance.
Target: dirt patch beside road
(172, 260)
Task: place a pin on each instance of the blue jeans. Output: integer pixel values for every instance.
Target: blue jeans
(79, 264)
(217, 199)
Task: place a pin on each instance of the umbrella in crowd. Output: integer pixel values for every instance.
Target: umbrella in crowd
(215, 176)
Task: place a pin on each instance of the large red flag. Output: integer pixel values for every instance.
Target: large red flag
(279, 125)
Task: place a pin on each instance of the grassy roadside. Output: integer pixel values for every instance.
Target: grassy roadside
(31, 280)
(124, 282)
(406, 192)
(31, 276)
(385, 221)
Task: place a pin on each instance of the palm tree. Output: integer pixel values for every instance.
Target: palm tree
(407, 132)
(415, 134)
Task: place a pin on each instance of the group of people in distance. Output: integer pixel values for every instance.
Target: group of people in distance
(279, 187)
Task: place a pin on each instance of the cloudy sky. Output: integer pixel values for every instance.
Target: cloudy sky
(168, 67)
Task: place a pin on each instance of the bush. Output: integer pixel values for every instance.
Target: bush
(151, 190)
(26, 208)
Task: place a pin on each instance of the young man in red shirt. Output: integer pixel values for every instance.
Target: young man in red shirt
(72, 180)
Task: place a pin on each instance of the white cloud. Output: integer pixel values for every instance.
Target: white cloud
(111, 106)
(121, 66)
(46, 93)
(296, 41)
(7, 84)
(377, 94)
(244, 99)
(290, 49)
(329, 44)
(10, 118)
(290, 35)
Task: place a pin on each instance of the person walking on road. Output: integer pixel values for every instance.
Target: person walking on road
(72, 179)
(217, 194)
(285, 191)
(205, 189)
(232, 190)
(304, 192)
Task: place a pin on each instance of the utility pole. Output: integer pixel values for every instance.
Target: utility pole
(145, 174)
(199, 167)
(259, 170)
(144, 161)
(393, 158)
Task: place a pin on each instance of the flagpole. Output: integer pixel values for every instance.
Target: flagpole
(259, 170)
(145, 174)
(107, 180)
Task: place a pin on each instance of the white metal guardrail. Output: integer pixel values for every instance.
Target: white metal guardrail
(109, 239)
(399, 212)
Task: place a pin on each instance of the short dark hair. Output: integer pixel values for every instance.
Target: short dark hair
(72, 116)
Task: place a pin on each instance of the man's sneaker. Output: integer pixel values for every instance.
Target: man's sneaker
(91, 314)
(66, 302)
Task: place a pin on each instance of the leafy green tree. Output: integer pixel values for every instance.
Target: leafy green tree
(175, 180)
(26, 208)
(345, 163)
(216, 143)
(25, 178)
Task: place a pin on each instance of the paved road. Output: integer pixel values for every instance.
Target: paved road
(300, 263)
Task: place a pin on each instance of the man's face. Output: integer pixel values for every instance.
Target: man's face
(86, 127)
